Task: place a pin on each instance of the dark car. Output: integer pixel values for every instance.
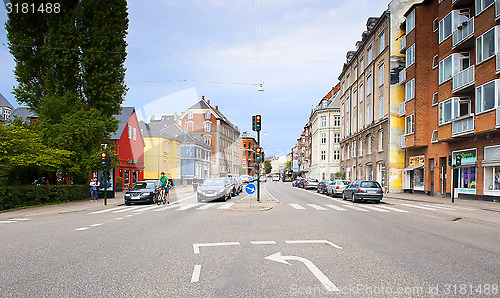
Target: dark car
(141, 192)
(213, 189)
(322, 186)
(363, 190)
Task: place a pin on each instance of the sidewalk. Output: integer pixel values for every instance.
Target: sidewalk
(249, 203)
(485, 205)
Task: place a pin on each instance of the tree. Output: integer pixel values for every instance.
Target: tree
(267, 166)
(70, 72)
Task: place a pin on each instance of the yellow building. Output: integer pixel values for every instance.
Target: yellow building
(161, 154)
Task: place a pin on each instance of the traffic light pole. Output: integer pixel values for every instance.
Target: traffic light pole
(105, 185)
(258, 169)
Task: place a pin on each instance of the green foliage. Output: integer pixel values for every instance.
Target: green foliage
(268, 166)
(288, 165)
(12, 197)
(70, 72)
(22, 152)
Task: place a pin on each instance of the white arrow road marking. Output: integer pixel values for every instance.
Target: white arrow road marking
(329, 286)
(317, 207)
(336, 207)
(297, 206)
(196, 273)
(312, 242)
(196, 246)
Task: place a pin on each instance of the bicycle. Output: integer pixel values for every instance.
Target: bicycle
(159, 196)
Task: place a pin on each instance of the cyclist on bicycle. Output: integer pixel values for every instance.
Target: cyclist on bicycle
(163, 183)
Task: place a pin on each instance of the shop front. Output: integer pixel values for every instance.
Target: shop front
(464, 172)
(491, 165)
(413, 175)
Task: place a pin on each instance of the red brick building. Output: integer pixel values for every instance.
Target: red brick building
(452, 103)
(247, 154)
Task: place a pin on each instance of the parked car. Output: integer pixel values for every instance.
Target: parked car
(336, 187)
(245, 179)
(310, 183)
(234, 186)
(322, 186)
(363, 190)
(238, 184)
(301, 182)
(213, 189)
(263, 179)
(141, 192)
(276, 177)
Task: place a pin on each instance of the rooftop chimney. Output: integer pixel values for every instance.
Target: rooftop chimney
(152, 117)
(217, 108)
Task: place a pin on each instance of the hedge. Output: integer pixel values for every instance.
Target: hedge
(12, 197)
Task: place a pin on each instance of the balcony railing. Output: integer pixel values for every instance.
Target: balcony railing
(463, 33)
(402, 44)
(498, 116)
(462, 125)
(460, 2)
(402, 108)
(402, 76)
(463, 79)
(498, 62)
(402, 141)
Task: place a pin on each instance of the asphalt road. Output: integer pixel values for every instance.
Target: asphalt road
(307, 245)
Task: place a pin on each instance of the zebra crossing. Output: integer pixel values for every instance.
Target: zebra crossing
(13, 220)
(401, 208)
(160, 208)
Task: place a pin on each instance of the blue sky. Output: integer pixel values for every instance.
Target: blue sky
(180, 50)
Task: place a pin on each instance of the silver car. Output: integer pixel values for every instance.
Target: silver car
(213, 189)
(336, 188)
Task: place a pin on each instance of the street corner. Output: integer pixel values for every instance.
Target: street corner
(251, 204)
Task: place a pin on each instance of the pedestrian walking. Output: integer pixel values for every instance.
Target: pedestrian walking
(93, 189)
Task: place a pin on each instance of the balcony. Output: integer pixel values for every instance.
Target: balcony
(498, 116)
(462, 125)
(498, 62)
(402, 141)
(402, 45)
(463, 36)
(402, 108)
(402, 76)
(463, 80)
(461, 2)
(497, 9)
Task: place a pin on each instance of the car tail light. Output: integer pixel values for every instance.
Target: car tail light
(380, 191)
(338, 187)
(360, 190)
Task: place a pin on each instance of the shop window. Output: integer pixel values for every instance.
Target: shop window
(467, 177)
(492, 178)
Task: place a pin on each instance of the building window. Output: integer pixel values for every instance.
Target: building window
(380, 140)
(410, 21)
(410, 55)
(369, 84)
(361, 66)
(190, 115)
(208, 127)
(361, 119)
(336, 138)
(361, 93)
(244, 145)
(129, 132)
(487, 45)
(492, 178)
(354, 148)
(369, 144)
(323, 155)
(482, 5)
(354, 98)
(336, 120)
(487, 96)
(381, 75)
(323, 121)
(360, 147)
(381, 107)
(354, 123)
(207, 115)
(323, 138)
(207, 141)
(410, 90)
(409, 124)
(368, 115)
(382, 42)
(450, 22)
(369, 55)
(336, 155)
(452, 65)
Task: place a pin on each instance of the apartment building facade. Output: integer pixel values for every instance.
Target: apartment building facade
(217, 131)
(325, 137)
(364, 105)
(451, 107)
(247, 154)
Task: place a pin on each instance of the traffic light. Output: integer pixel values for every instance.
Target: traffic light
(258, 153)
(258, 119)
(459, 160)
(253, 123)
(104, 159)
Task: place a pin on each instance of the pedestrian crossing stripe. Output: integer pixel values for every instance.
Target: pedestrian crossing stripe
(336, 207)
(297, 206)
(317, 207)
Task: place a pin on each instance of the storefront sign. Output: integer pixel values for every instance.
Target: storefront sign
(467, 156)
(417, 160)
(492, 153)
(131, 162)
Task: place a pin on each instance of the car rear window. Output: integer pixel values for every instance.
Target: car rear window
(370, 184)
(143, 185)
(343, 182)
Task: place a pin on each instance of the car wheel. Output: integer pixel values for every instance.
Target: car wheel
(343, 196)
(128, 203)
(199, 199)
(377, 201)
(354, 200)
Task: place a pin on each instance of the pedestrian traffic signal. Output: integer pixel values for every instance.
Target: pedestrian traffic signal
(104, 159)
(258, 119)
(253, 123)
(459, 160)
